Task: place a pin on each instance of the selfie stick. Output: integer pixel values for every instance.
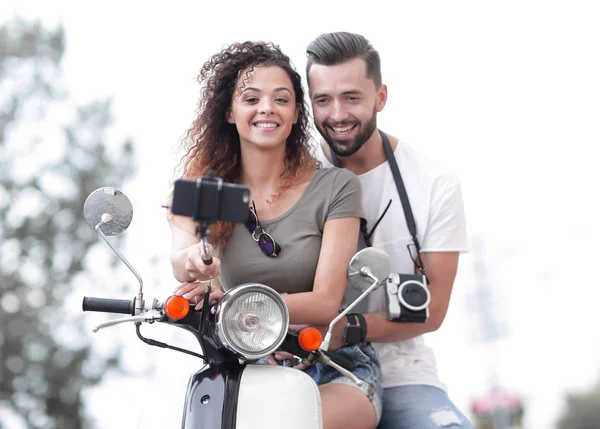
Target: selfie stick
(202, 228)
(202, 232)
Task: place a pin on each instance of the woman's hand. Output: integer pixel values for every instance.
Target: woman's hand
(195, 266)
(194, 293)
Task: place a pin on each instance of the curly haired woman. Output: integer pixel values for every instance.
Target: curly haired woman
(252, 128)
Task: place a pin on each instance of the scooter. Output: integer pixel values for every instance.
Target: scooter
(249, 322)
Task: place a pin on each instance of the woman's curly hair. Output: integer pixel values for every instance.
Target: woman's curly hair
(213, 144)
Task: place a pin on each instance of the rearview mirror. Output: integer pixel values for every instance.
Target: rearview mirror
(367, 264)
(108, 205)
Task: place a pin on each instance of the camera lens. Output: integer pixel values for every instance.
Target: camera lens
(414, 295)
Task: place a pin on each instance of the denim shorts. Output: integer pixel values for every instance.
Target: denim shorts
(366, 368)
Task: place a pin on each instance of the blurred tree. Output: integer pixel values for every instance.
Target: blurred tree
(582, 411)
(52, 155)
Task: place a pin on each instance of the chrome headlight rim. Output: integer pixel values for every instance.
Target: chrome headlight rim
(231, 296)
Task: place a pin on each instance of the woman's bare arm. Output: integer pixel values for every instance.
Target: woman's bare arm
(321, 305)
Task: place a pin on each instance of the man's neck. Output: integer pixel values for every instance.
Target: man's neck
(369, 156)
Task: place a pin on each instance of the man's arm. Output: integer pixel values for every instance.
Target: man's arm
(441, 271)
(445, 230)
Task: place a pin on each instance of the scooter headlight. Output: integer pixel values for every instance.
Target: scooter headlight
(252, 320)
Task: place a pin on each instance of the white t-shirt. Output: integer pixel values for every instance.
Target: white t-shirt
(436, 200)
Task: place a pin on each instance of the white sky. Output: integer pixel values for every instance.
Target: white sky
(507, 93)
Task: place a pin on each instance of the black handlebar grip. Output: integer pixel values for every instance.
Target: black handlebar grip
(290, 344)
(122, 306)
(341, 360)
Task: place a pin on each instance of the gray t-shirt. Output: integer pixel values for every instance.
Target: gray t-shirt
(332, 193)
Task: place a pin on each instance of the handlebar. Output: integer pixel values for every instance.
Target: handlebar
(290, 344)
(104, 305)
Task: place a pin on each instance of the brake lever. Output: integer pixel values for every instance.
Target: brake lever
(150, 316)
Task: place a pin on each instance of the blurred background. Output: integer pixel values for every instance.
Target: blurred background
(100, 94)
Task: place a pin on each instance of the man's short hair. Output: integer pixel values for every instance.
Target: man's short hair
(330, 49)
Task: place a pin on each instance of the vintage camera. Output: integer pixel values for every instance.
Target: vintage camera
(407, 298)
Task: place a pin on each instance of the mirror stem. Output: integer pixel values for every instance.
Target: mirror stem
(364, 271)
(139, 300)
(326, 360)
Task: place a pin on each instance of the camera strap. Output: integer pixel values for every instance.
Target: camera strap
(410, 219)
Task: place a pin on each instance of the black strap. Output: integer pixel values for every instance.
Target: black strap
(363, 326)
(353, 331)
(410, 220)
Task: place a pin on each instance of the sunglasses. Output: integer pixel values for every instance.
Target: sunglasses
(266, 243)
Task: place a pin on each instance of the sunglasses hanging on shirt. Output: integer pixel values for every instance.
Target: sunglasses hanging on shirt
(266, 243)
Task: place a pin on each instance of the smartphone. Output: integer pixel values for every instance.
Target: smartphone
(209, 199)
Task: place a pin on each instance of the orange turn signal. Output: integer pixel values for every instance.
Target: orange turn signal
(176, 307)
(309, 339)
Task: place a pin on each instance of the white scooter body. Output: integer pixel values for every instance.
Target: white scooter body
(275, 397)
(269, 397)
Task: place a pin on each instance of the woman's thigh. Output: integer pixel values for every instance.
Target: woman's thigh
(346, 407)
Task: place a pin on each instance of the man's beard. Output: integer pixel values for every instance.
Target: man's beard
(350, 147)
